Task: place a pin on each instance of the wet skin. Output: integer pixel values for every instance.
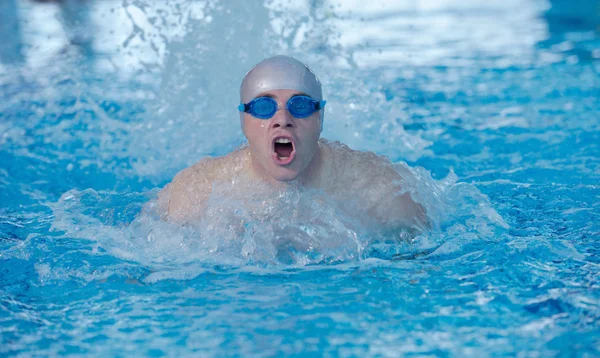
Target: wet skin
(364, 184)
(303, 133)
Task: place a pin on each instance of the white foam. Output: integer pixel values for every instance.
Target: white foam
(294, 227)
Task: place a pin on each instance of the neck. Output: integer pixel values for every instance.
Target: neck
(310, 177)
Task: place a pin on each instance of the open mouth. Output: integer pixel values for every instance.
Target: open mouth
(283, 150)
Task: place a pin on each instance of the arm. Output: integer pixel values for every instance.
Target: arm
(406, 213)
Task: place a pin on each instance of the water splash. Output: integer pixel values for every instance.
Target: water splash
(287, 228)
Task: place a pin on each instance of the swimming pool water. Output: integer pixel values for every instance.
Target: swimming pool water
(494, 106)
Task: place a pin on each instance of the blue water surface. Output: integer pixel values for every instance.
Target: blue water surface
(494, 105)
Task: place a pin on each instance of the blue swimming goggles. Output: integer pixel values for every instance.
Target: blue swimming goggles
(265, 107)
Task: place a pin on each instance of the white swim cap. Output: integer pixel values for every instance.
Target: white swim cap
(280, 72)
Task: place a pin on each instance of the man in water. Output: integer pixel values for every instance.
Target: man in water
(281, 114)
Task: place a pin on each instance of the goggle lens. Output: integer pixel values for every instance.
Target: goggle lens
(301, 106)
(263, 107)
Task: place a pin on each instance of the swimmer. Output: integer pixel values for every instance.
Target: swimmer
(282, 115)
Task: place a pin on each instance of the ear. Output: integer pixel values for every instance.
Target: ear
(242, 124)
(322, 118)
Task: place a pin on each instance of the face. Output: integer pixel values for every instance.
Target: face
(282, 147)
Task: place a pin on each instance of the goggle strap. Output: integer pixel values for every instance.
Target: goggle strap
(244, 107)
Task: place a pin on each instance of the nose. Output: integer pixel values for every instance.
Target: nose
(282, 118)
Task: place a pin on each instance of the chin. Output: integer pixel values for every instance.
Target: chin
(285, 175)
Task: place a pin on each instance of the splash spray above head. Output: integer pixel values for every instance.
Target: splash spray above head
(280, 72)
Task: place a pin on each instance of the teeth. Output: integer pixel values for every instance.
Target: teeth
(282, 157)
(283, 140)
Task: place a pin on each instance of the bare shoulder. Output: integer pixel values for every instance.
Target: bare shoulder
(361, 166)
(185, 197)
(381, 187)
